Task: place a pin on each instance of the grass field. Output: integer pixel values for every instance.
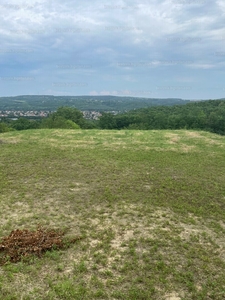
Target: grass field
(149, 206)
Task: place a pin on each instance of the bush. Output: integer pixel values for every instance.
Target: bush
(59, 122)
(4, 128)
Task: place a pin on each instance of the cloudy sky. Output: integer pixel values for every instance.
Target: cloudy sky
(147, 48)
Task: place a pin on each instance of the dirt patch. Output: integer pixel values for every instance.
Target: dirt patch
(172, 296)
(139, 133)
(9, 141)
(193, 134)
(125, 237)
(187, 148)
(174, 138)
(13, 141)
(213, 142)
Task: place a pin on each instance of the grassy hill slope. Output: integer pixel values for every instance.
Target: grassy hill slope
(149, 205)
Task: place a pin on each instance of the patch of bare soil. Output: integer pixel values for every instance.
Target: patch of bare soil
(174, 138)
(187, 148)
(172, 296)
(193, 134)
(210, 141)
(139, 133)
(213, 142)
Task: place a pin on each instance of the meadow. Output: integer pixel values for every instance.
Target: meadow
(149, 207)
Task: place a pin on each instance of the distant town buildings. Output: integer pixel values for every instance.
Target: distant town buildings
(20, 113)
(92, 115)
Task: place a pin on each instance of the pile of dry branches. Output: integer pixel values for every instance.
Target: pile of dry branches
(22, 243)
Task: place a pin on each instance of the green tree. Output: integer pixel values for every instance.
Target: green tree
(70, 113)
(24, 124)
(4, 128)
(58, 122)
(107, 121)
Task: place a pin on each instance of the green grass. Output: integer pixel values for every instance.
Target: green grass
(149, 205)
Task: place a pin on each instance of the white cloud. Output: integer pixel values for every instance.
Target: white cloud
(154, 40)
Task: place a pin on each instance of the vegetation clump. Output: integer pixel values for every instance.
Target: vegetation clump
(22, 243)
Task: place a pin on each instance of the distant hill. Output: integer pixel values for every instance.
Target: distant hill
(88, 103)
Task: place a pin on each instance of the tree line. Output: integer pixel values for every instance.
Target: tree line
(202, 115)
(64, 117)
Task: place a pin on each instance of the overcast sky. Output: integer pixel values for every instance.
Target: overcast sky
(150, 48)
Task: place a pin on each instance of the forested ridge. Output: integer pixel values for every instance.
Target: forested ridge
(85, 103)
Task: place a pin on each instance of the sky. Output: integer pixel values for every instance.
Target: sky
(145, 48)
